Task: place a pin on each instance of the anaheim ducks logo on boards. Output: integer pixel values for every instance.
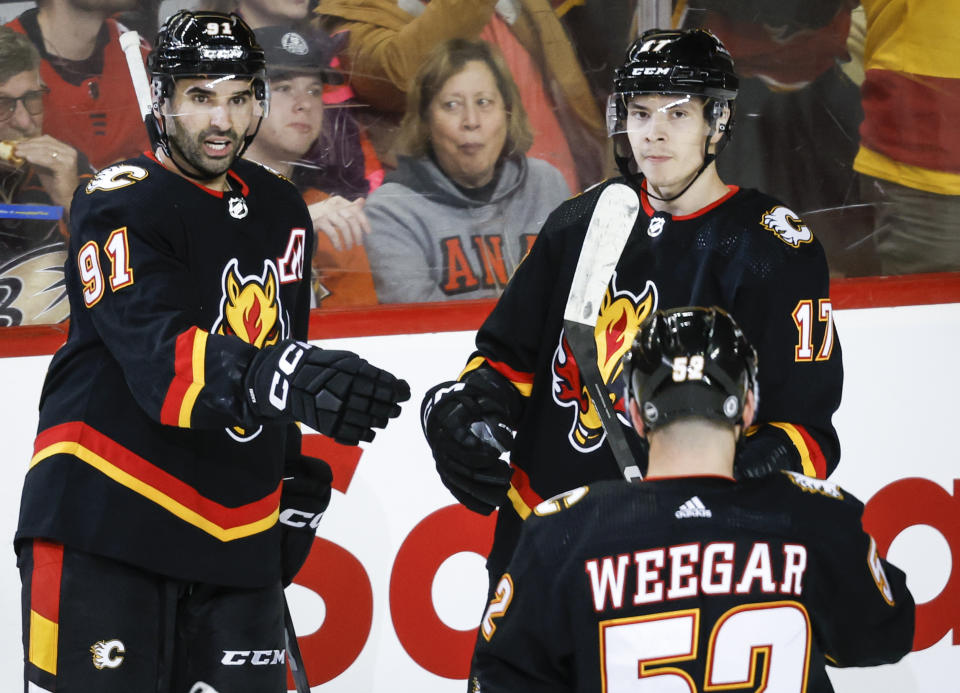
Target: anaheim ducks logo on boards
(32, 288)
(250, 309)
(619, 318)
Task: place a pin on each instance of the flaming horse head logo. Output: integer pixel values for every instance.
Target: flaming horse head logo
(619, 318)
(250, 309)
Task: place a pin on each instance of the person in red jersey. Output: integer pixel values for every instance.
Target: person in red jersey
(91, 104)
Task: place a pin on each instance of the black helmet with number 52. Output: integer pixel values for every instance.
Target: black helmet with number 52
(206, 44)
(690, 362)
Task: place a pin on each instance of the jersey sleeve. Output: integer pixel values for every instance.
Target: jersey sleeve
(510, 338)
(786, 312)
(865, 613)
(136, 292)
(383, 57)
(523, 644)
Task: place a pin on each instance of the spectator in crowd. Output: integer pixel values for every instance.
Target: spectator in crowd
(465, 204)
(600, 31)
(390, 39)
(38, 175)
(909, 157)
(298, 67)
(258, 13)
(686, 576)
(91, 105)
(343, 156)
(794, 97)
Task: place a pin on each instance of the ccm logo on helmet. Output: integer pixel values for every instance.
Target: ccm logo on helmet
(257, 658)
(650, 71)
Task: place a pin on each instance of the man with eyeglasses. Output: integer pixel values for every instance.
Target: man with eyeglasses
(92, 105)
(38, 174)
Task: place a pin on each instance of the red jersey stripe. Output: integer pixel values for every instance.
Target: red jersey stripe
(524, 498)
(183, 384)
(650, 211)
(910, 118)
(510, 374)
(45, 579)
(139, 475)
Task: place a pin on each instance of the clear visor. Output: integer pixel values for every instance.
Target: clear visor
(222, 97)
(631, 110)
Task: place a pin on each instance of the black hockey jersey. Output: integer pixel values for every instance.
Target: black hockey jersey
(703, 581)
(147, 451)
(746, 253)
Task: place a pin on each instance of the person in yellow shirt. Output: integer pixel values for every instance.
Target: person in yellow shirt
(909, 155)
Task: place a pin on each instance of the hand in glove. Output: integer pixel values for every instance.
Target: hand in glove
(464, 427)
(305, 496)
(764, 452)
(336, 393)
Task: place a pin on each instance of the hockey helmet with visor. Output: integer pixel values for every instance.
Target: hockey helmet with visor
(206, 44)
(691, 63)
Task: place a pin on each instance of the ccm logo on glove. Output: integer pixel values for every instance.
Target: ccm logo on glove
(287, 364)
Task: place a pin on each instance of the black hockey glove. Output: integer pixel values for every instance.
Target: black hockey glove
(305, 496)
(335, 393)
(764, 453)
(465, 428)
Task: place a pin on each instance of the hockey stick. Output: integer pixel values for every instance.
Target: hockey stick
(295, 659)
(607, 234)
(130, 44)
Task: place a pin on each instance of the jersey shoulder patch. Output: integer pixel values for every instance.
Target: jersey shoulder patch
(786, 225)
(116, 177)
(813, 485)
(561, 501)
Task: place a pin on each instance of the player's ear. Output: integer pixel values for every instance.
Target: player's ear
(636, 419)
(720, 123)
(749, 409)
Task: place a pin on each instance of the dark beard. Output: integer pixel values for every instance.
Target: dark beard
(190, 151)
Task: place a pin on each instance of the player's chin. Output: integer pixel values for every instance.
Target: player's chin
(210, 167)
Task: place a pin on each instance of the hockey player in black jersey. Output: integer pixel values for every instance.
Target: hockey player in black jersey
(167, 502)
(690, 580)
(695, 241)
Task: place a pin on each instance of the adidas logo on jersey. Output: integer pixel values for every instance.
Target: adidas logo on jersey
(693, 507)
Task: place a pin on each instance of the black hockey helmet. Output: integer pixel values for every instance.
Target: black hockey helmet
(692, 62)
(690, 362)
(214, 44)
(677, 62)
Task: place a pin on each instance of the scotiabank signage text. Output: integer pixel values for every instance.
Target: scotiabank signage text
(907, 503)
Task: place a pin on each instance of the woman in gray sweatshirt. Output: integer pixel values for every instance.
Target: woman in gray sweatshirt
(464, 205)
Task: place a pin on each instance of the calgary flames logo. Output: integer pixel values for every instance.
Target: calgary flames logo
(787, 226)
(250, 310)
(619, 318)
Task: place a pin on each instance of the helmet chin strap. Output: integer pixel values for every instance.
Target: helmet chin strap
(708, 159)
(165, 146)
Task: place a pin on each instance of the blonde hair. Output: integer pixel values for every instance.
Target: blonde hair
(445, 61)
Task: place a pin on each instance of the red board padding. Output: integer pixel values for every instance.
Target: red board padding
(456, 316)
